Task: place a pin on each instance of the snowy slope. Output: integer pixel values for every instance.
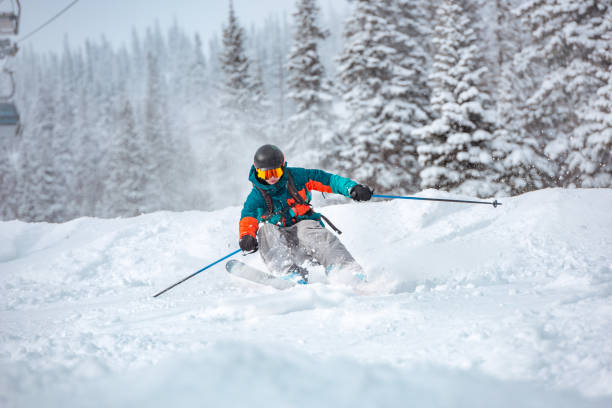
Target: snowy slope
(466, 306)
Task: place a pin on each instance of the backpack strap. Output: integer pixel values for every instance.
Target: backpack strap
(293, 191)
(267, 199)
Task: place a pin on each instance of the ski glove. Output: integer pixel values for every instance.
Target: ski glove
(248, 244)
(361, 193)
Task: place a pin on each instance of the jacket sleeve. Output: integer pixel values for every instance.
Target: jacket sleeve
(319, 180)
(251, 211)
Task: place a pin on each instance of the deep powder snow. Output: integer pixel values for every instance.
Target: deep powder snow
(465, 306)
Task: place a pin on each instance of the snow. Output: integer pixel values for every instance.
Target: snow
(466, 306)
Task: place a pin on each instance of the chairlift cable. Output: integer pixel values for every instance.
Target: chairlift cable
(22, 39)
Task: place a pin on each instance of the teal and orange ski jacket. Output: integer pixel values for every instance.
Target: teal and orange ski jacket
(306, 180)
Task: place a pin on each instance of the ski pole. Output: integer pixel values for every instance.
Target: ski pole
(494, 203)
(195, 273)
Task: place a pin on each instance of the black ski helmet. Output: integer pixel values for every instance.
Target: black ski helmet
(269, 157)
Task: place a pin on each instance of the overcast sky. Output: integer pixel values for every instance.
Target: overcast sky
(115, 18)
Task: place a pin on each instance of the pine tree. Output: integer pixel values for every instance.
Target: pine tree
(268, 52)
(57, 162)
(124, 193)
(96, 125)
(519, 156)
(8, 176)
(158, 156)
(261, 118)
(198, 88)
(593, 162)
(333, 20)
(310, 125)
(214, 59)
(196, 115)
(235, 67)
(571, 49)
(197, 110)
(180, 63)
(186, 90)
(64, 137)
(383, 78)
(138, 65)
(366, 66)
(456, 153)
(29, 181)
(236, 134)
(277, 71)
(40, 173)
(28, 76)
(590, 161)
(407, 94)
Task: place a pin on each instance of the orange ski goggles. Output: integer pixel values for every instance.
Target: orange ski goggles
(268, 174)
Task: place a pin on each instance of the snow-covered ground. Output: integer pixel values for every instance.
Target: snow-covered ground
(466, 306)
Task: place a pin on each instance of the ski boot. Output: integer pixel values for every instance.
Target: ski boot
(297, 274)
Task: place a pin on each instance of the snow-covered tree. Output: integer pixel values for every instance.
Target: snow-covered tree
(235, 67)
(238, 122)
(406, 94)
(593, 162)
(519, 154)
(156, 139)
(8, 178)
(95, 124)
(262, 120)
(382, 86)
(42, 176)
(124, 193)
(310, 125)
(65, 135)
(455, 152)
(197, 97)
(277, 39)
(365, 65)
(571, 48)
(80, 108)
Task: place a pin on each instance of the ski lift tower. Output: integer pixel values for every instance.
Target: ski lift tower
(9, 26)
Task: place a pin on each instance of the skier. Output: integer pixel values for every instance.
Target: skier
(292, 234)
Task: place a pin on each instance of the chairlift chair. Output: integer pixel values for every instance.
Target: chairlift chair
(7, 48)
(6, 97)
(9, 121)
(9, 20)
(9, 116)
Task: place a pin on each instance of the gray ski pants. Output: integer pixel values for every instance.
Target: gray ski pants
(281, 247)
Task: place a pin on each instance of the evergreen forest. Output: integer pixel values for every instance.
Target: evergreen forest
(480, 98)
